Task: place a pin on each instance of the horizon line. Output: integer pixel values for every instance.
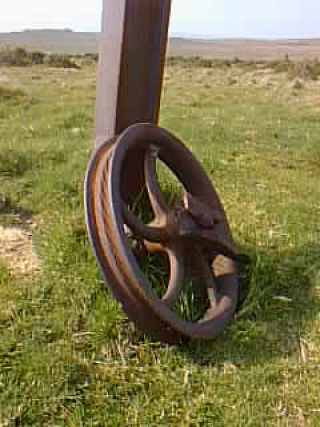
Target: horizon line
(180, 35)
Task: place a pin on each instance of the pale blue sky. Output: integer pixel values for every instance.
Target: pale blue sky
(216, 18)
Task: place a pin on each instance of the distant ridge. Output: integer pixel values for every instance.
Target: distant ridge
(53, 41)
(70, 42)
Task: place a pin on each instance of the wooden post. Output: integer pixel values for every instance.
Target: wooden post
(132, 57)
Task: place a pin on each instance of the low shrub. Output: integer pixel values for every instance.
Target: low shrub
(303, 70)
(307, 70)
(280, 66)
(198, 61)
(297, 85)
(20, 57)
(37, 58)
(61, 61)
(94, 57)
(17, 57)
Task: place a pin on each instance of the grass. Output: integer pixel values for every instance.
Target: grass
(9, 94)
(68, 356)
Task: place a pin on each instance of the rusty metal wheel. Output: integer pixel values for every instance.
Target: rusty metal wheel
(193, 235)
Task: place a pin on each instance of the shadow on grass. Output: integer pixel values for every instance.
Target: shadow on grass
(276, 309)
(280, 305)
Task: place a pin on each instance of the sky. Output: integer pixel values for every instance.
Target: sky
(202, 18)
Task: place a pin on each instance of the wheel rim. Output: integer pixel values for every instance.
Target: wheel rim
(108, 216)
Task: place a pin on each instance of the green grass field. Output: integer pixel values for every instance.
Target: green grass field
(68, 356)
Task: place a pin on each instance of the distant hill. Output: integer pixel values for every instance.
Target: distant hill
(67, 41)
(53, 41)
(247, 49)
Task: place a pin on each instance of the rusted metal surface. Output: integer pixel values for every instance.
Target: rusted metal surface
(196, 229)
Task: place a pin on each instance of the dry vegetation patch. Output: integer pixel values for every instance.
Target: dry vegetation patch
(20, 57)
(17, 251)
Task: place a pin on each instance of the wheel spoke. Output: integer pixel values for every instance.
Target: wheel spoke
(177, 276)
(205, 278)
(141, 230)
(210, 282)
(157, 200)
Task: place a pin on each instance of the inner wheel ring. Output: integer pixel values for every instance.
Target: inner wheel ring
(104, 207)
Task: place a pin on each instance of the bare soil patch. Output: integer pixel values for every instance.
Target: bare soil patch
(17, 251)
(3, 78)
